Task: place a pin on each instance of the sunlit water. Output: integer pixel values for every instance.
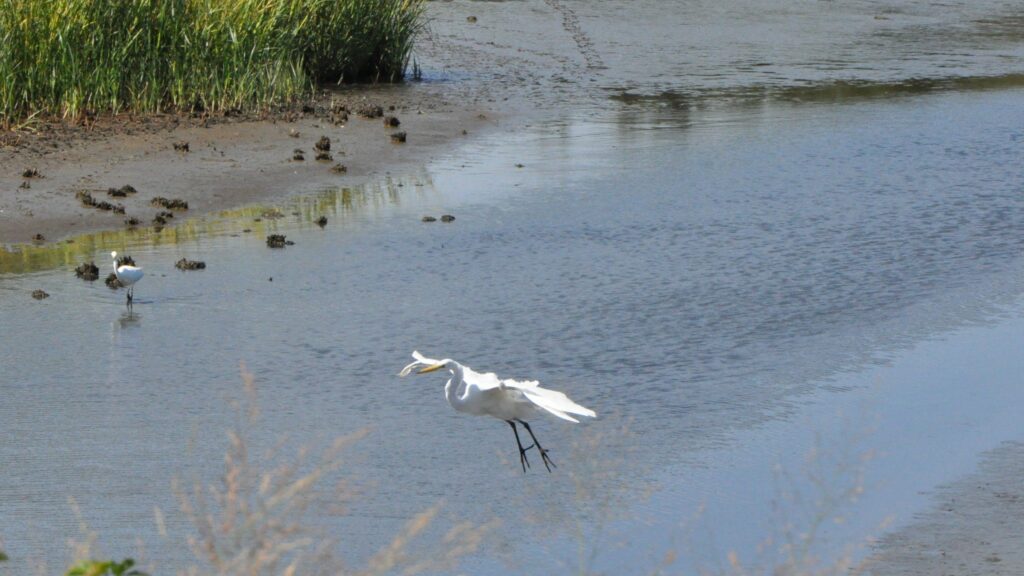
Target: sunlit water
(699, 275)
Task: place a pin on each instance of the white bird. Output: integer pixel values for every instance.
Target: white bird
(127, 276)
(509, 400)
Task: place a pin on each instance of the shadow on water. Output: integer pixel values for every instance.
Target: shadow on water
(339, 205)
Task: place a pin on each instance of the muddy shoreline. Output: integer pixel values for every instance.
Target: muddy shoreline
(228, 163)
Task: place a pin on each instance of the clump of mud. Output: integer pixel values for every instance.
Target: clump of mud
(88, 271)
(428, 219)
(321, 221)
(169, 203)
(324, 156)
(38, 238)
(294, 133)
(181, 146)
(278, 241)
(371, 111)
(324, 143)
(471, 19)
(122, 192)
(447, 218)
(298, 155)
(132, 222)
(112, 282)
(25, 185)
(87, 200)
(398, 138)
(186, 264)
(39, 294)
(339, 169)
(31, 173)
(339, 114)
(391, 122)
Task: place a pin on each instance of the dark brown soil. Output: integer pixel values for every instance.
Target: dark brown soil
(398, 138)
(391, 122)
(276, 241)
(186, 264)
(371, 111)
(39, 294)
(88, 271)
(321, 221)
(447, 218)
(181, 146)
(132, 221)
(122, 192)
(324, 143)
(428, 219)
(298, 155)
(324, 156)
(339, 169)
(169, 203)
(87, 200)
(112, 282)
(31, 173)
(38, 238)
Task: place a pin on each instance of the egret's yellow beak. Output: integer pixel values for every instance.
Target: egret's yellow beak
(431, 368)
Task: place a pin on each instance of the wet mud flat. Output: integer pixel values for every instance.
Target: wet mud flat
(129, 174)
(974, 526)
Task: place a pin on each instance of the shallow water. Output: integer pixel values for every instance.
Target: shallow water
(710, 276)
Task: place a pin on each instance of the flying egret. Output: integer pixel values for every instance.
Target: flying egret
(127, 276)
(509, 400)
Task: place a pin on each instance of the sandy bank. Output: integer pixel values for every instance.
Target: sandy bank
(228, 164)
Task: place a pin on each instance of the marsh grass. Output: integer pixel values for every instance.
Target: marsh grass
(74, 58)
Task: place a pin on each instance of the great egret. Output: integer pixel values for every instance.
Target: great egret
(509, 400)
(127, 276)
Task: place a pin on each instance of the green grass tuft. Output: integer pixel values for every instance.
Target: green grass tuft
(69, 57)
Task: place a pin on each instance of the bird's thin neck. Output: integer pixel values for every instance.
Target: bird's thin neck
(453, 389)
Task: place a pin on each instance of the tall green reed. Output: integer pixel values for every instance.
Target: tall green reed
(66, 57)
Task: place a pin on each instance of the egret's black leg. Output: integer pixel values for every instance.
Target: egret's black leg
(522, 451)
(129, 292)
(543, 453)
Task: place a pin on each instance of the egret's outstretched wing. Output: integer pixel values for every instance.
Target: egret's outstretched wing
(420, 360)
(554, 402)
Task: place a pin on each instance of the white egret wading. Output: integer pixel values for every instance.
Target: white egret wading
(127, 276)
(514, 401)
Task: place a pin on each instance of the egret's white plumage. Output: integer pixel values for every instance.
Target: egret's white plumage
(127, 275)
(510, 400)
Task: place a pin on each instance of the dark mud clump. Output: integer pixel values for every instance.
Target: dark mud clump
(447, 218)
(186, 264)
(39, 294)
(169, 203)
(277, 241)
(324, 156)
(294, 133)
(324, 143)
(339, 169)
(122, 192)
(371, 112)
(392, 122)
(31, 173)
(398, 138)
(471, 19)
(87, 200)
(181, 146)
(428, 219)
(25, 185)
(112, 282)
(321, 221)
(132, 222)
(38, 238)
(88, 271)
(339, 114)
(298, 155)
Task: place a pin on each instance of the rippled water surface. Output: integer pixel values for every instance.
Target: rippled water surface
(698, 271)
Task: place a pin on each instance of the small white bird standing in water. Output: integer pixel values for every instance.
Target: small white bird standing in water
(509, 400)
(127, 276)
